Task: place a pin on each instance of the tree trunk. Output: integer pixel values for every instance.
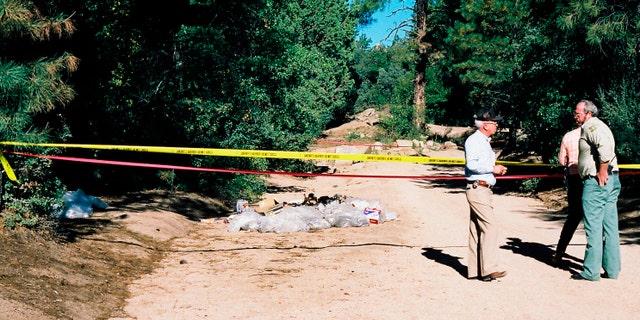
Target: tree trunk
(420, 11)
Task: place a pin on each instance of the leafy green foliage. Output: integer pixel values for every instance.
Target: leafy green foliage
(619, 108)
(436, 93)
(399, 124)
(384, 76)
(364, 9)
(37, 195)
(32, 87)
(609, 33)
(489, 41)
(530, 185)
(269, 74)
(13, 220)
(168, 177)
(241, 75)
(248, 187)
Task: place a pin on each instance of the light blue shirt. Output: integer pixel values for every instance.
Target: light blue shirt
(480, 158)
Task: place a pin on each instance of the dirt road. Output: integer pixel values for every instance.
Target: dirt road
(413, 267)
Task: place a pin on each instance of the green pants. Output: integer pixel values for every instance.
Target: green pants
(600, 204)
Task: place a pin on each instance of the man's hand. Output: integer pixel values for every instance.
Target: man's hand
(603, 177)
(499, 169)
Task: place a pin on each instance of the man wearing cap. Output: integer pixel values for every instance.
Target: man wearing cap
(598, 168)
(480, 170)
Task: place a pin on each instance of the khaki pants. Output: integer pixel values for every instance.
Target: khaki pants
(483, 233)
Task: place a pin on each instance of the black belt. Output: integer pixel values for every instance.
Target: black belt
(481, 183)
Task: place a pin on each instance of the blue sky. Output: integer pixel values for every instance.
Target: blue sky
(385, 21)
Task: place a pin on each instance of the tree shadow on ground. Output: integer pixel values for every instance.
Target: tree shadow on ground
(519, 180)
(68, 230)
(193, 206)
(280, 189)
(446, 177)
(553, 195)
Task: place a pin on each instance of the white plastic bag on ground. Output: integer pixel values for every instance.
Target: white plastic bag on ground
(304, 218)
(344, 215)
(249, 220)
(295, 219)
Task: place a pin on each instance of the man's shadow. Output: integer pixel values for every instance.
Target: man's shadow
(542, 253)
(537, 251)
(448, 260)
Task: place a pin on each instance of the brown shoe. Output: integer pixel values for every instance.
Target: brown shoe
(493, 276)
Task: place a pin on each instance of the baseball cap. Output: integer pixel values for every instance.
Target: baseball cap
(487, 115)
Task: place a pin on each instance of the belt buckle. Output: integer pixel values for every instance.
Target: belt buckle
(483, 184)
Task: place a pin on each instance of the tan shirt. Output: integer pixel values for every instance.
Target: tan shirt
(597, 145)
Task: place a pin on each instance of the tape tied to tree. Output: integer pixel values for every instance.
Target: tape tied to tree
(7, 168)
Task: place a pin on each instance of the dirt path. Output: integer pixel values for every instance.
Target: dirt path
(410, 268)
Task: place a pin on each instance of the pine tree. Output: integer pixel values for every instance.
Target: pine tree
(610, 32)
(489, 39)
(32, 87)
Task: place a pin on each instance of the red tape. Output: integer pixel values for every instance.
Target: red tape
(296, 174)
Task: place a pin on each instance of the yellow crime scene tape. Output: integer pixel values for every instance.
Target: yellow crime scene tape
(7, 168)
(262, 153)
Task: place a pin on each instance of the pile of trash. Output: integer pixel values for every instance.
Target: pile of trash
(339, 212)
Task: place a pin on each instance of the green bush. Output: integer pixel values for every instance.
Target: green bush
(399, 124)
(619, 109)
(241, 186)
(35, 197)
(530, 185)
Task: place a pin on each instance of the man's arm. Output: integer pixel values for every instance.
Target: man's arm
(563, 154)
(603, 174)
